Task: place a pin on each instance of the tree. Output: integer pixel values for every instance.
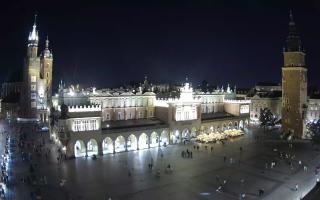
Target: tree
(313, 129)
(267, 118)
(52, 117)
(64, 111)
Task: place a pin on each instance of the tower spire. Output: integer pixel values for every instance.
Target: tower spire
(293, 39)
(35, 20)
(47, 42)
(33, 35)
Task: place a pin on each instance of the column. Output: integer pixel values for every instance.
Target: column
(100, 149)
(114, 146)
(137, 143)
(149, 140)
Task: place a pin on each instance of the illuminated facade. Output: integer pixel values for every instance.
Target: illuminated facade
(108, 121)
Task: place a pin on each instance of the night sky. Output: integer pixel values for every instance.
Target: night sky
(112, 43)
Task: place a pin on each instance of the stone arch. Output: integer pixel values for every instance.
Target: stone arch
(224, 127)
(230, 125)
(107, 145)
(154, 139)
(246, 123)
(164, 139)
(211, 129)
(79, 149)
(175, 136)
(236, 125)
(120, 144)
(92, 147)
(132, 143)
(143, 141)
(185, 134)
(241, 125)
(193, 132)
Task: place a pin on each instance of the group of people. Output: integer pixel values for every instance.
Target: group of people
(4, 173)
(186, 154)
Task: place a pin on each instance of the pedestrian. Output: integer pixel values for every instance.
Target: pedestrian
(296, 187)
(224, 158)
(300, 162)
(211, 149)
(218, 178)
(305, 168)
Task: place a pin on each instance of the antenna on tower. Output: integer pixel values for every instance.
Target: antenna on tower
(35, 19)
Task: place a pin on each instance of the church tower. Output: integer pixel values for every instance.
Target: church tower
(37, 82)
(294, 84)
(46, 72)
(31, 75)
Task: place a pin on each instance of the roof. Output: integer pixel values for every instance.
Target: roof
(132, 123)
(217, 115)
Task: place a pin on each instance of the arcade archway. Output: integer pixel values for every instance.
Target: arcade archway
(132, 143)
(143, 141)
(92, 147)
(120, 144)
(164, 139)
(79, 149)
(154, 139)
(107, 145)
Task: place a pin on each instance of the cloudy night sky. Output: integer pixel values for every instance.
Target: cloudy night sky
(111, 43)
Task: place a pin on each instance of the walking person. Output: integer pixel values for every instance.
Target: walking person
(296, 187)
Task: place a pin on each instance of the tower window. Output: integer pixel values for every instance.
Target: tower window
(33, 79)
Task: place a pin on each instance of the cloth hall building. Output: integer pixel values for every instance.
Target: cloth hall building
(96, 122)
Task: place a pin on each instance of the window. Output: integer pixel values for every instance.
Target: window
(33, 79)
(33, 95)
(33, 104)
(140, 115)
(33, 87)
(119, 116)
(47, 75)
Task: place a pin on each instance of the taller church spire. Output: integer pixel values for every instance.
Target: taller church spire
(33, 38)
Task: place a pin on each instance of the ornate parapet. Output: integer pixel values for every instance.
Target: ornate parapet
(83, 108)
(237, 101)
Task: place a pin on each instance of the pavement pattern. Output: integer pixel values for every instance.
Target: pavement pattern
(128, 176)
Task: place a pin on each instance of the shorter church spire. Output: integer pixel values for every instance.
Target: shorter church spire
(47, 43)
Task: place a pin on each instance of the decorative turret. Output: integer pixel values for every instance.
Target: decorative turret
(47, 53)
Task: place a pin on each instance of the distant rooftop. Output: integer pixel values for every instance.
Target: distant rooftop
(267, 84)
